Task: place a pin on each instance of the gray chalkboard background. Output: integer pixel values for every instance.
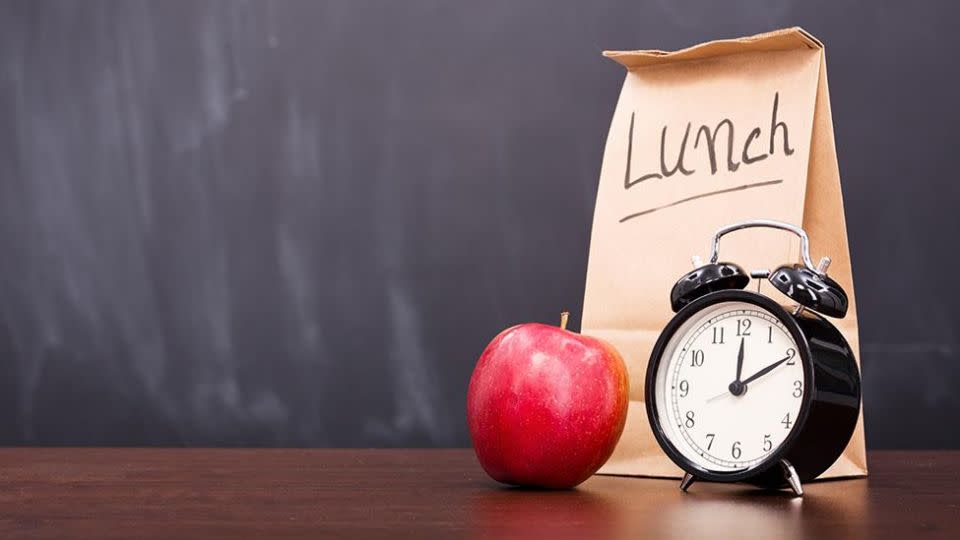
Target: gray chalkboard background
(299, 223)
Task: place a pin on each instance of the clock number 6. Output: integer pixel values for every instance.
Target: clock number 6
(735, 450)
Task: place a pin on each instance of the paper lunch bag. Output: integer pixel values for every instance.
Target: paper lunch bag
(703, 137)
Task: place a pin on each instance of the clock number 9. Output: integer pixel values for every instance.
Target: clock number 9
(684, 388)
(735, 450)
(696, 357)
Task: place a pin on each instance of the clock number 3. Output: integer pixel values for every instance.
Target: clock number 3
(797, 388)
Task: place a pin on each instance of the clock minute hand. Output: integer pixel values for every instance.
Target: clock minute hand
(740, 361)
(766, 370)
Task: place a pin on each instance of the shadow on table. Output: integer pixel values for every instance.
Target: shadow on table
(542, 514)
(608, 507)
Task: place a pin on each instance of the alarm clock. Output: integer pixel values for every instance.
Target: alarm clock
(742, 389)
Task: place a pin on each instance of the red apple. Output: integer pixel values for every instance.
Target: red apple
(546, 406)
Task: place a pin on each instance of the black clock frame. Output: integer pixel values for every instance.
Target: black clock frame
(829, 410)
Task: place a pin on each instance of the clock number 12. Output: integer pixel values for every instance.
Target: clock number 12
(743, 327)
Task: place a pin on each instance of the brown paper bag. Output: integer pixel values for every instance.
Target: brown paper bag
(704, 137)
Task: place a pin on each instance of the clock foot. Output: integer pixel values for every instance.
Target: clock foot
(687, 480)
(791, 475)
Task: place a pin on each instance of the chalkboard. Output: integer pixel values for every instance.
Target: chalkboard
(299, 223)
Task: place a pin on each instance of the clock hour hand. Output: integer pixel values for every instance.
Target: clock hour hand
(767, 369)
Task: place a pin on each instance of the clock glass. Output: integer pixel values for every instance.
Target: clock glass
(729, 387)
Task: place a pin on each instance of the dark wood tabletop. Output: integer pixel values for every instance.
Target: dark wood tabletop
(258, 493)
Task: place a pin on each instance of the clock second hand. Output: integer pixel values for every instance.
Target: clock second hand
(718, 396)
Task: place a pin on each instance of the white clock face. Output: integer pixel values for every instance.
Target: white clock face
(718, 420)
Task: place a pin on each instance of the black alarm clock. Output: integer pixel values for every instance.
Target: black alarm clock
(742, 389)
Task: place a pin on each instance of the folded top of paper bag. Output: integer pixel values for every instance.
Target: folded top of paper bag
(779, 40)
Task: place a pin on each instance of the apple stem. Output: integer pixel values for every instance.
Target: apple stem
(563, 319)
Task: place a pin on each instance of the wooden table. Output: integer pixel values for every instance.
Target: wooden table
(207, 493)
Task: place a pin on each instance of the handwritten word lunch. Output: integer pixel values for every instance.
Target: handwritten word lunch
(752, 151)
